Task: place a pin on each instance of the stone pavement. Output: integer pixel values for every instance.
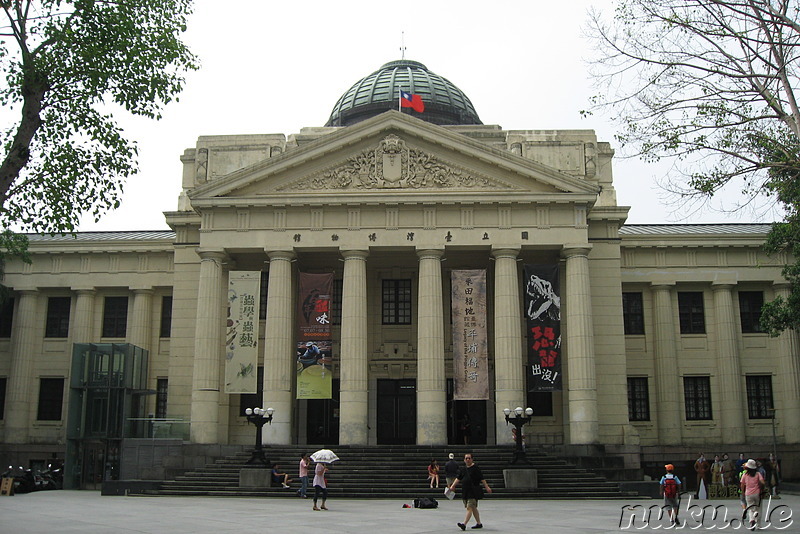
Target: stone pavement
(87, 512)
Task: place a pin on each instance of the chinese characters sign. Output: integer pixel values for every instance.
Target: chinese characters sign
(470, 341)
(314, 372)
(543, 313)
(241, 334)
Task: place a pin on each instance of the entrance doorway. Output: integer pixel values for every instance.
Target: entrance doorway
(466, 420)
(322, 419)
(397, 412)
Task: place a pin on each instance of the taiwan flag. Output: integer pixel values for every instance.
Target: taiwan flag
(407, 100)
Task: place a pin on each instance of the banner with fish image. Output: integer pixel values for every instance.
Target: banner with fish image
(241, 333)
(314, 357)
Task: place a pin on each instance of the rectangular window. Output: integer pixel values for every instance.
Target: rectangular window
(396, 302)
(759, 397)
(2, 397)
(51, 397)
(166, 316)
(691, 312)
(57, 324)
(697, 396)
(638, 399)
(262, 301)
(253, 400)
(6, 317)
(541, 402)
(115, 317)
(633, 314)
(750, 303)
(336, 302)
(162, 386)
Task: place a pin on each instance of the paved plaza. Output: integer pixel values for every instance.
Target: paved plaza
(88, 512)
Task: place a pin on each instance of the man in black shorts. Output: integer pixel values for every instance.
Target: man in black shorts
(472, 478)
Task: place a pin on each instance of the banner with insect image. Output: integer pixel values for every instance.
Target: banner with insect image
(470, 339)
(314, 372)
(241, 333)
(543, 314)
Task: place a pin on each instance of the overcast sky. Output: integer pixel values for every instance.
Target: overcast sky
(275, 67)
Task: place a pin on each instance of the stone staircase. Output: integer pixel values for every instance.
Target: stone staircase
(395, 472)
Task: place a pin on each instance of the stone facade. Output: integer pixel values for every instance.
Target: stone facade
(396, 198)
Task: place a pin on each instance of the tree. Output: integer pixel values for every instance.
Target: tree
(69, 65)
(712, 83)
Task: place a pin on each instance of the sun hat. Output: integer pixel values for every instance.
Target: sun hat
(669, 467)
(750, 464)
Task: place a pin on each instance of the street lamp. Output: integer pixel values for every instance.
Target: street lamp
(259, 417)
(518, 421)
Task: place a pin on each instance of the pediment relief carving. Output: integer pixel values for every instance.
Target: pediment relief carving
(394, 165)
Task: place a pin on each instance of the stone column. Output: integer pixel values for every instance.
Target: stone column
(353, 367)
(788, 379)
(141, 323)
(583, 422)
(279, 349)
(729, 368)
(668, 392)
(431, 390)
(208, 349)
(509, 360)
(19, 403)
(82, 325)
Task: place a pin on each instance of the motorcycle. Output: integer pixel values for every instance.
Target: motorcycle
(24, 480)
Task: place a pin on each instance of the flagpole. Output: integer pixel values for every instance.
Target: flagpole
(399, 100)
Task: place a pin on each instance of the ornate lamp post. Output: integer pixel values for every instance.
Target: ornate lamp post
(518, 421)
(259, 417)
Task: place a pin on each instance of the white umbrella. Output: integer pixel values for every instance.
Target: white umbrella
(324, 456)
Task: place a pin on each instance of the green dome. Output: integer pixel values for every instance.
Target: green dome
(444, 102)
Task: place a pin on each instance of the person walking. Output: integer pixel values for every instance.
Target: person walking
(752, 485)
(320, 485)
(451, 469)
(670, 488)
(472, 478)
(302, 473)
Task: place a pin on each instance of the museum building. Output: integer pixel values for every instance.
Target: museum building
(114, 335)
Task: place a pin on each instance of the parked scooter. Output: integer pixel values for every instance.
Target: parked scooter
(24, 480)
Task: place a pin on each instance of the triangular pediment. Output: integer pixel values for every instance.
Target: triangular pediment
(391, 154)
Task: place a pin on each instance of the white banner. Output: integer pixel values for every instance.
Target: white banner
(241, 338)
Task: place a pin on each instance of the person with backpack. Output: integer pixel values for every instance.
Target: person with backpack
(752, 485)
(670, 486)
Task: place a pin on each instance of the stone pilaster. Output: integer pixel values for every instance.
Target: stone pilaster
(667, 387)
(582, 386)
(729, 368)
(19, 401)
(431, 396)
(208, 349)
(279, 350)
(787, 413)
(82, 325)
(141, 322)
(354, 367)
(509, 360)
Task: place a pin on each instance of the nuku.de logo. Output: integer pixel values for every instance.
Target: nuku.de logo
(705, 517)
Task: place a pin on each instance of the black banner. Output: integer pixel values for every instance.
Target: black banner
(543, 314)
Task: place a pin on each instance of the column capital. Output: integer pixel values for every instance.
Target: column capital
(143, 290)
(213, 254)
(722, 286)
(430, 253)
(505, 252)
(571, 251)
(354, 254)
(662, 286)
(84, 290)
(33, 291)
(285, 255)
(783, 285)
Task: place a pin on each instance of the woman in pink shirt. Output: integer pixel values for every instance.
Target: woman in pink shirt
(752, 484)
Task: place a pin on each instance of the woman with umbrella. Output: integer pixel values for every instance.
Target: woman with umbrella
(322, 458)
